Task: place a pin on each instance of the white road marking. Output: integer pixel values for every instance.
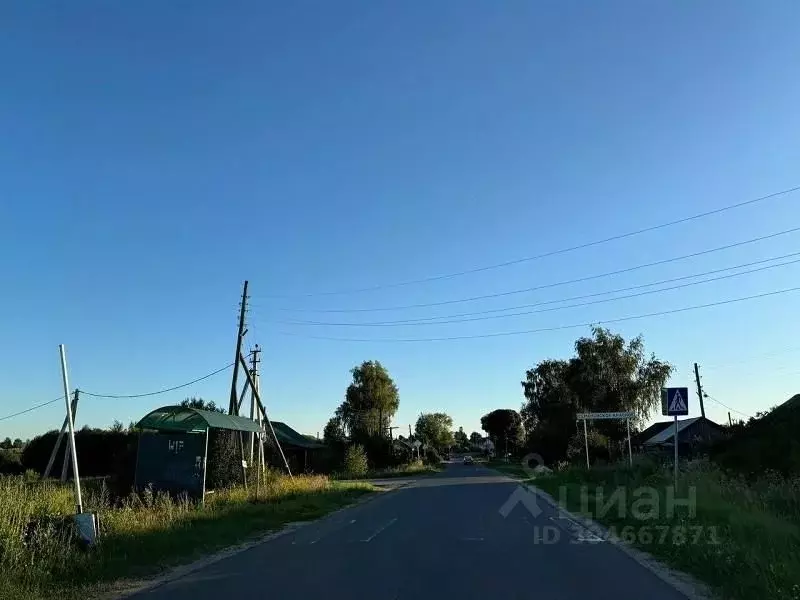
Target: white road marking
(352, 521)
(471, 539)
(379, 530)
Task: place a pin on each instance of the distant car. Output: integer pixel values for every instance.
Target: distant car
(468, 460)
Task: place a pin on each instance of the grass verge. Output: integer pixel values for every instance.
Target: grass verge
(405, 470)
(742, 538)
(147, 534)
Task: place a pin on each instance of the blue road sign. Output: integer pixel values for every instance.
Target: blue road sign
(677, 401)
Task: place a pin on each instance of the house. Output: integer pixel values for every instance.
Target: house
(692, 433)
(302, 453)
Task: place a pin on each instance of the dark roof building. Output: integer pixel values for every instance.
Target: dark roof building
(691, 432)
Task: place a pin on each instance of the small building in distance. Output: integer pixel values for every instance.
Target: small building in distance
(693, 433)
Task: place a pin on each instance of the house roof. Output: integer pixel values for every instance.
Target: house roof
(193, 420)
(288, 436)
(666, 434)
(649, 432)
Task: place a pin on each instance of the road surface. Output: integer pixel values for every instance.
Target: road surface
(439, 537)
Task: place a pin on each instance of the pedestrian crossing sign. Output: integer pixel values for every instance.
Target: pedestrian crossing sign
(677, 401)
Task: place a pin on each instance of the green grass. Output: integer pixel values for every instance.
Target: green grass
(416, 467)
(146, 534)
(747, 533)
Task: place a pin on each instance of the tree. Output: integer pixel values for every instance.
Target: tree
(606, 374)
(117, 426)
(18, 443)
(371, 400)
(504, 426)
(355, 461)
(609, 375)
(461, 440)
(201, 404)
(6, 444)
(475, 438)
(334, 431)
(434, 429)
(548, 414)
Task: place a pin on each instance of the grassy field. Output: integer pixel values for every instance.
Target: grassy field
(742, 538)
(146, 534)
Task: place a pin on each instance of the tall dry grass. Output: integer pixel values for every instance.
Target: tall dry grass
(144, 532)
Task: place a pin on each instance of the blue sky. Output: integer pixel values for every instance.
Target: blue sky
(154, 155)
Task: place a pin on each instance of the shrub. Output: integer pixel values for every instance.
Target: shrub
(355, 461)
(432, 456)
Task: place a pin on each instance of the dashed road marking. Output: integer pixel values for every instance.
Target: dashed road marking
(379, 530)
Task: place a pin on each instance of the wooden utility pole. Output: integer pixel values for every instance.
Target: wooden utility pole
(391, 432)
(699, 390)
(730, 421)
(264, 414)
(233, 407)
(254, 360)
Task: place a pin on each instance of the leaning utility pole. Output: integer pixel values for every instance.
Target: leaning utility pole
(67, 452)
(699, 391)
(233, 406)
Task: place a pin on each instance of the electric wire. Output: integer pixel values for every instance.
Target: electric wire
(32, 408)
(548, 285)
(164, 391)
(550, 253)
(547, 329)
(445, 320)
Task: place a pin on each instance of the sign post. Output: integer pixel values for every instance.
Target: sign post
(627, 415)
(675, 402)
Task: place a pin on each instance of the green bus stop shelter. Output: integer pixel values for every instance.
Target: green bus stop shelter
(173, 447)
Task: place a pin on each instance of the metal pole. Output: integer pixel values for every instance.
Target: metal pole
(676, 453)
(52, 460)
(75, 473)
(67, 451)
(586, 440)
(630, 452)
(258, 470)
(205, 468)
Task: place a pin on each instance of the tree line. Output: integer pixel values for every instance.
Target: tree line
(606, 373)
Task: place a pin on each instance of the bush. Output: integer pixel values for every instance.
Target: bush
(432, 456)
(355, 461)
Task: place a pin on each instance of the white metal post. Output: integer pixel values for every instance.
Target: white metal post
(75, 473)
(630, 452)
(252, 418)
(205, 468)
(676, 453)
(586, 440)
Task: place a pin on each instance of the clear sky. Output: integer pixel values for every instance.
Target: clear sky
(153, 155)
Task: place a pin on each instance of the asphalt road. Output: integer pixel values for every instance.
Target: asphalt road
(439, 537)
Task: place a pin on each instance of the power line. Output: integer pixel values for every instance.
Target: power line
(164, 391)
(747, 359)
(545, 254)
(726, 406)
(448, 320)
(549, 285)
(548, 329)
(32, 408)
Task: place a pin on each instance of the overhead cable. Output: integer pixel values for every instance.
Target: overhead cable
(548, 285)
(484, 316)
(565, 250)
(164, 391)
(546, 329)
